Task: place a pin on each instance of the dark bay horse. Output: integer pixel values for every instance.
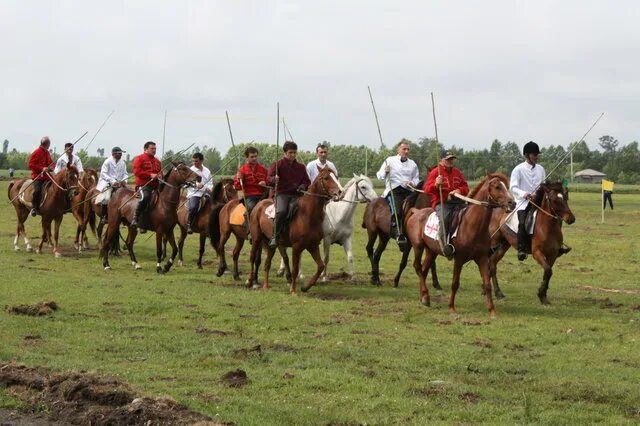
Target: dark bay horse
(82, 210)
(222, 192)
(220, 230)
(377, 221)
(55, 198)
(546, 240)
(471, 243)
(304, 231)
(161, 218)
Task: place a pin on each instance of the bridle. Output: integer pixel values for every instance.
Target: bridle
(359, 193)
(553, 214)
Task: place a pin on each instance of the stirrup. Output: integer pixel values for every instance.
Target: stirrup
(402, 242)
(273, 242)
(189, 229)
(448, 250)
(34, 212)
(522, 255)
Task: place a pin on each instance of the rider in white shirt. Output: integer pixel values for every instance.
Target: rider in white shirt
(113, 175)
(68, 157)
(320, 163)
(401, 173)
(202, 189)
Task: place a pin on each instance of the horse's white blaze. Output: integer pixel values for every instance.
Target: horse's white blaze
(560, 196)
(137, 266)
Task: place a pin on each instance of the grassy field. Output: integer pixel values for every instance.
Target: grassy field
(346, 352)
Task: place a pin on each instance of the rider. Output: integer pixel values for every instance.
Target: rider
(253, 176)
(401, 173)
(291, 178)
(202, 189)
(322, 150)
(113, 175)
(68, 157)
(146, 168)
(40, 166)
(449, 180)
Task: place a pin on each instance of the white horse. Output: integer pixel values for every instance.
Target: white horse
(338, 220)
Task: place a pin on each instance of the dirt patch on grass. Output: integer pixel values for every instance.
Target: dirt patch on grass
(81, 398)
(235, 379)
(281, 347)
(474, 322)
(37, 310)
(483, 343)
(607, 290)
(470, 397)
(330, 296)
(210, 332)
(245, 352)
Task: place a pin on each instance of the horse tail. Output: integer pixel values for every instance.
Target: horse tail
(9, 189)
(410, 213)
(111, 246)
(214, 226)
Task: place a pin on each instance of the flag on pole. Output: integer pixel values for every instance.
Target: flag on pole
(607, 185)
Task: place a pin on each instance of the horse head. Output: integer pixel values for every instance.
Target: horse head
(67, 180)
(556, 200)
(364, 192)
(89, 178)
(181, 174)
(224, 191)
(497, 187)
(327, 184)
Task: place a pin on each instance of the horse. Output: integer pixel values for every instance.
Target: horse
(56, 196)
(304, 231)
(220, 230)
(546, 241)
(82, 212)
(377, 221)
(338, 221)
(471, 242)
(223, 192)
(162, 217)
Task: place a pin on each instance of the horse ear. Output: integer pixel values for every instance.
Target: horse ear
(355, 175)
(486, 172)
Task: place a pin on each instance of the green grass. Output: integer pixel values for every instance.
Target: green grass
(346, 352)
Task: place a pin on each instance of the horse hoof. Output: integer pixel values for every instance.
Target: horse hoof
(376, 282)
(16, 248)
(57, 254)
(236, 277)
(160, 270)
(257, 287)
(500, 295)
(304, 289)
(137, 266)
(425, 301)
(220, 272)
(280, 273)
(289, 278)
(293, 293)
(107, 268)
(493, 314)
(181, 265)
(396, 283)
(437, 286)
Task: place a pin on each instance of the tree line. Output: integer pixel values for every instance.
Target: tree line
(621, 163)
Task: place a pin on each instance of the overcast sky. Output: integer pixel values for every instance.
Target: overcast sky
(512, 70)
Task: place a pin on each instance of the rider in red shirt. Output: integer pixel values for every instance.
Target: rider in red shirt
(146, 168)
(253, 176)
(450, 180)
(40, 165)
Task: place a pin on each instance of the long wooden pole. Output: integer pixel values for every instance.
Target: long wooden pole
(441, 216)
(233, 145)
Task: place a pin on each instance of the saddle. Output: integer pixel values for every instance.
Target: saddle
(26, 193)
(238, 215)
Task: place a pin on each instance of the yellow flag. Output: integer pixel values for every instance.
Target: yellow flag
(607, 185)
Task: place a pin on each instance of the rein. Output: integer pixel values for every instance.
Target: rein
(554, 216)
(56, 183)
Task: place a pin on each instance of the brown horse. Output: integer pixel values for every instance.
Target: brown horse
(220, 230)
(304, 231)
(546, 241)
(56, 196)
(81, 210)
(377, 221)
(161, 219)
(471, 243)
(223, 192)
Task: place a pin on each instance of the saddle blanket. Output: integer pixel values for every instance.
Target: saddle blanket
(270, 211)
(512, 223)
(237, 215)
(432, 227)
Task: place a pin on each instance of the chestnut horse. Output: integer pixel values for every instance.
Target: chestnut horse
(472, 241)
(546, 240)
(223, 192)
(304, 231)
(220, 230)
(81, 210)
(161, 218)
(56, 195)
(377, 222)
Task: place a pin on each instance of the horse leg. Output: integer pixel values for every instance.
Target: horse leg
(348, 249)
(46, 225)
(106, 246)
(76, 241)
(369, 248)
(483, 267)
(280, 271)
(56, 234)
(375, 263)
(183, 236)
(326, 247)
(253, 257)
(295, 255)
(203, 240)
(455, 284)
(236, 255)
(267, 267)
(174, 251)
(315, 253)
(547, 265)
(422, 267)
(493, 269)
(222, 256)
(285, 261)
(131, 237)
(403, 264)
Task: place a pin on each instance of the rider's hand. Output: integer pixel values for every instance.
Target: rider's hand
(302, 187)
(276, 178)
(240, 176)
(438, 180)
(262, 183)
(528, 196)
(153, 175)
(387, 169)
(199, 185)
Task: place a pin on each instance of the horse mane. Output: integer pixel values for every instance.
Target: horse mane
(552, 186)
(215, 194)
(64, 172)
(413, 197)
(489, 176)
(166, 179)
